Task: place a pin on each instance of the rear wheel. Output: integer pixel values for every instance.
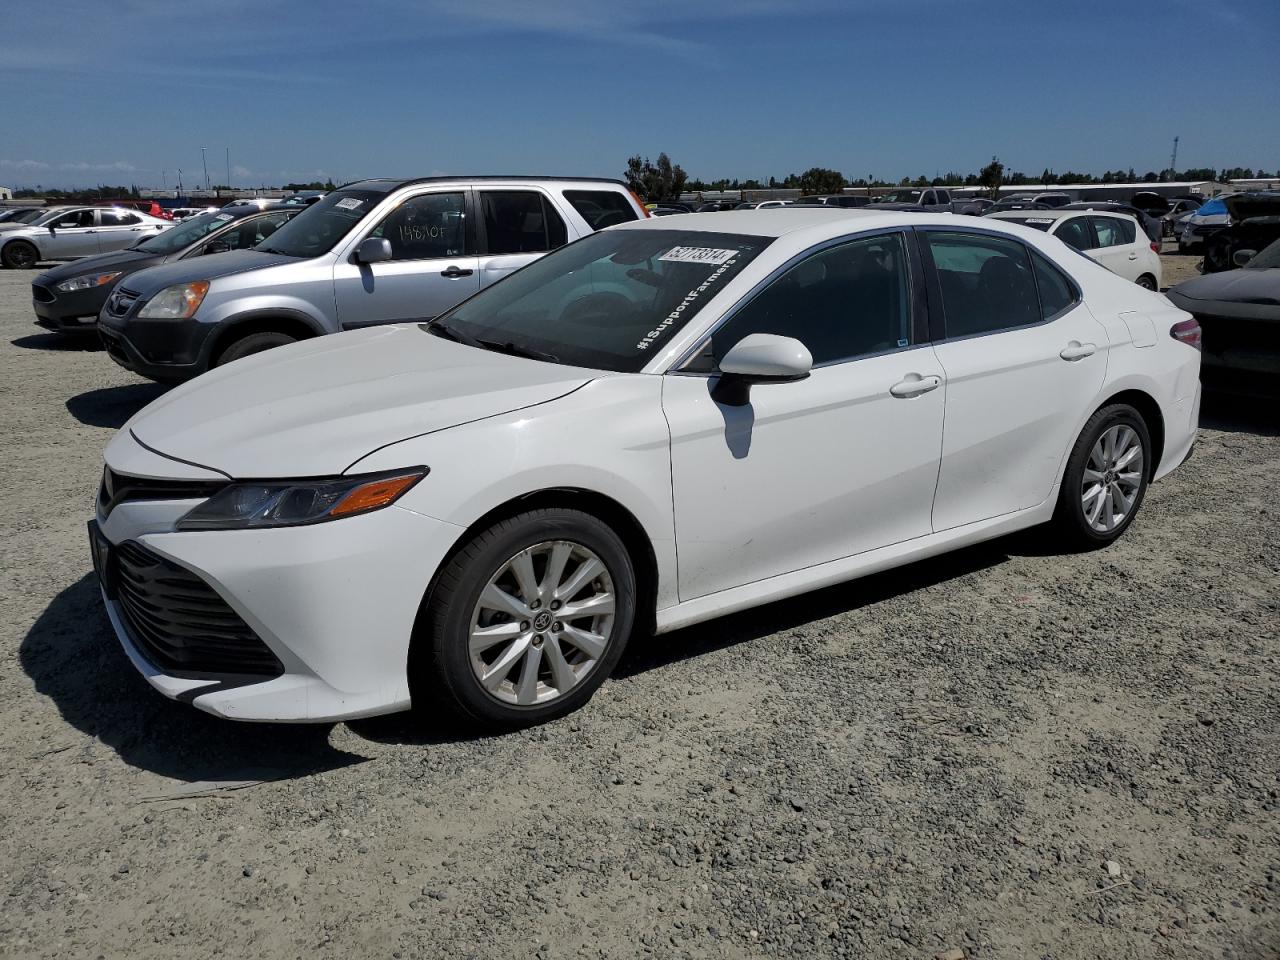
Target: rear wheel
(1106, 478)
(19, 255)
(1147, 282)
(253, 343)
(527, 620)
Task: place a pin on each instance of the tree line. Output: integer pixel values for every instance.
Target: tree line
(664, 180)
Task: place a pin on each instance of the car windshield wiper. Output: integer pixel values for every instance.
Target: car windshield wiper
(442, 329)
(516, 350)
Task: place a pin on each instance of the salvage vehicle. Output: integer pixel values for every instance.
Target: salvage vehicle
(1112, 239)
(921, 199)
(821, 200)
(476, 513)
(1239, 313)
(372, 252)
(69, 297)
(1150, 225)
(1254, 222)
(1211, 217)
(69, 233)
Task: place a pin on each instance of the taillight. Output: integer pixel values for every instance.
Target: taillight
(640, 203)
(1188, 332)
(1155, 247)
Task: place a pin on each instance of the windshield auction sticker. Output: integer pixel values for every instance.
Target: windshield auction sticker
(348, 203)
(707, 255)
(223, 216)
(692, 296)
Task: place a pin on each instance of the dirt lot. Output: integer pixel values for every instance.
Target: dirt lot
(1004, 752)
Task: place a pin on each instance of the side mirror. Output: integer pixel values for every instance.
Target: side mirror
(373, 250)
(52, 232)
(760, 358)
(1241, 257)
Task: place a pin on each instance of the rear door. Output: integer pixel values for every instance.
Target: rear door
(516, 225)
(118, 229)
(433, 263)
(1023, 358)
(1112, 250)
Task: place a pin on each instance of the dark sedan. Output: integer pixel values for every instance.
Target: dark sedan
(69, 297)
(1239, 315)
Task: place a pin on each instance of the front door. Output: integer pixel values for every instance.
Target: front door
(1023, 357)
(516, 228)
(836, 464)
(433, 265)
(73, 235)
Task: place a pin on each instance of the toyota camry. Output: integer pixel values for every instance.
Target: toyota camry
(655, 425)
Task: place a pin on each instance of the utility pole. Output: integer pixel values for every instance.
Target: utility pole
(179, 181)
(1173, 160)
(228, 168)
(205, 163)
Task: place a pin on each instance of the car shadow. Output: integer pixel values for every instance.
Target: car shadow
(112, 406)
(1238, 414)
(84, 341)
(72, 656)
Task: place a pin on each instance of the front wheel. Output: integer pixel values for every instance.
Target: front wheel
(253, 343)
(1106, 478)
(19, 255)
(1147, 282)
(527, 620)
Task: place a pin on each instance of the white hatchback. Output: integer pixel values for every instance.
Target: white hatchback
(1115, 240)
(658, 424)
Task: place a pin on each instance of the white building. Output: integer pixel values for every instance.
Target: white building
(6, 193)
(1257, 183)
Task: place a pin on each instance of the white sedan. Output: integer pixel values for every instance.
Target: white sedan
(647, 428)
(1115, 240)
(69, 233)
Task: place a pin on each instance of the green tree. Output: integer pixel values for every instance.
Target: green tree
(655, 181)
(820, 180)
(991, 176)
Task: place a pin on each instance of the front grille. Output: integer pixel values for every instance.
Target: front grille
(118, 488)
(121, 302)
(42, 294)
(179, 622)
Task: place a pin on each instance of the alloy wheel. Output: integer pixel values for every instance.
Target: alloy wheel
(542, 623)
(1112, 478)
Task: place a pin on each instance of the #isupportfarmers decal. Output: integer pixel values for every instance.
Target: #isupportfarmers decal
(705, 255)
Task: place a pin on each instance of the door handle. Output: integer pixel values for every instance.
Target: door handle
(91, 231)
(1075, 350)
(912, 385)
(454, 272)
(1133, 256)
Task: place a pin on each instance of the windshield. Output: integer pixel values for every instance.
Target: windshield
(1268, 259)
(29, 216)
(318, 228)
(902, 196)
(186, 233)
(609, 301)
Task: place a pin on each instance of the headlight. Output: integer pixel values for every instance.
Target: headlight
(292, 503)
(177, 302)
(89, 282)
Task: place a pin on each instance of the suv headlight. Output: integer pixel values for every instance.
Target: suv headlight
(178, 302)
(89, 282)
(292, 503)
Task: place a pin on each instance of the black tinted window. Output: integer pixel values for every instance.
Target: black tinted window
(432, 225)
(1056, 292)
(987, 283)
(252, 231)
(846, 302)
(1128, 230)
(110, 218)
(601, 208)
(82, 218)
(1075, 233)
(520, 221)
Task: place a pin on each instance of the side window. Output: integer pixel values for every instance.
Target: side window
(520, 221)
(1128, 230)
(842, 303)
(110, 218)
(944, 196)
(1056, 293)
(1108, 231)
(1075, 233)
(81, 218)
(425, 227)
(987, 283)
(927, 200)
(252, 232)
(601, 208)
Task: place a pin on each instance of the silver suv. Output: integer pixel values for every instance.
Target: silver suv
(371, 252)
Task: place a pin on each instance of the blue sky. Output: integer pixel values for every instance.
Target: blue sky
(130, 90)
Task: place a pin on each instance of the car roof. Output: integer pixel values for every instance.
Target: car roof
(820, 221)
(388, 184)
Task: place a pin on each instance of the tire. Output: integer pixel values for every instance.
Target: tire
(1072, 517)
(1147, 282)
(469, 680)
(253, 343)
(19, 255)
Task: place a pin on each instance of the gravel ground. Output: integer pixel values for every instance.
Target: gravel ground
(1003, 753)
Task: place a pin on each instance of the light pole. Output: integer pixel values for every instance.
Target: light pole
(205, 163)
(228, 168)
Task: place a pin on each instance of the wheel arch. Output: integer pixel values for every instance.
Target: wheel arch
(605, 508)
(1149, 408)
(268, 320)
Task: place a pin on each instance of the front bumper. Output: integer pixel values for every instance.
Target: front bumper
(67, 312)
(335, 603)
(166, 350)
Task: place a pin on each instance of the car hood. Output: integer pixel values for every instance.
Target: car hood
(210, 267)
(1245, 206)
(1249, 285)
(125, 261)
(316, 407)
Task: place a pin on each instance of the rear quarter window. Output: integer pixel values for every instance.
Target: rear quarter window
(601, 208)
